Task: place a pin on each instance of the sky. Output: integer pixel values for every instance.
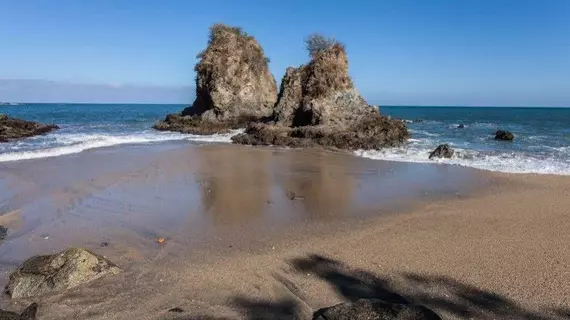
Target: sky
(401, 52)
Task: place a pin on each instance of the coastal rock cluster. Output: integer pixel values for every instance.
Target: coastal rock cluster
(233, 86)
(317, 104)
(11, 128)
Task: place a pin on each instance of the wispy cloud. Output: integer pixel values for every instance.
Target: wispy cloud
(32, 90)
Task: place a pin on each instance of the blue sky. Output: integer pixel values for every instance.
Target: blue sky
(454, 52)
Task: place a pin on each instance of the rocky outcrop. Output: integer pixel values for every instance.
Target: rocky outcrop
(11, 128)
(233, 86)
(442, 151)
(504, 135)
(366, 309)
(319, 106)
(28, 314)
(52, 273)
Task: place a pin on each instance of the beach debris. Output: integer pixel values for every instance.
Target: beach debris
(160, 240)
(364, 309)
(28, 314)
(504, 135)
(233, 86)
(47, 274)
(3, 232)
(177, 310)
(13, 128)
(442, 151)
(319, 106)
(293, 196)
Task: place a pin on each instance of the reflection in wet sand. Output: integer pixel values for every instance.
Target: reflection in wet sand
(234, 191)
(323, 187)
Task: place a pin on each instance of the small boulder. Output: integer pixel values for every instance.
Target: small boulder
(366, 309)
(28, 314)
(461, 126)
(442, 151)
(504, 135)
(3, 232)
(52, 273)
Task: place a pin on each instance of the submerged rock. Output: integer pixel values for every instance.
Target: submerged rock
(442, 151)
(319, 106)
(233, 86)
(28, 314)
(367, 309)
(52, 273)
(11, 128)
(504, 135)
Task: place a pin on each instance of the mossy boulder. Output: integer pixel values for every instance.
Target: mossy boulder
(47, 274)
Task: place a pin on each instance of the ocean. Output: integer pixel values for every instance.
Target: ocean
(542, 143)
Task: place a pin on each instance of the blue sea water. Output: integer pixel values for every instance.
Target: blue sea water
(542, 143)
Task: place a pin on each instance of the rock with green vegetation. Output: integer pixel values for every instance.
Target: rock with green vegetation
(28, 314)
(318, 105)
(11, 128)
(70, 268)
(368, 309)
(233, 86)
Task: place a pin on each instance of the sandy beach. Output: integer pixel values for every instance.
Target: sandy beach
(264, 233)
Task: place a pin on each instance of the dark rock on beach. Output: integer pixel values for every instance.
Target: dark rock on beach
(369, 309)
(28, 314)
(233, 86)
(11, 128)
(504, 135)
(53, 273)
(442, 151)
(318, 105)
(3, 232)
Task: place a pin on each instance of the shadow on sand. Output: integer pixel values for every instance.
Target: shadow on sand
(450, 298)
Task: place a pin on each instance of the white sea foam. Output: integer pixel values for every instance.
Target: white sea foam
(74, 143)
(510, 162)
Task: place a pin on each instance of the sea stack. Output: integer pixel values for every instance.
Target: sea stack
(12, 128)
(233, 86)
(318, 105)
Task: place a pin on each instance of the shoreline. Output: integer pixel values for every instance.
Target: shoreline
(285, 256)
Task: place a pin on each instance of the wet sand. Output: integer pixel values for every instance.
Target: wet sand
(252, 232)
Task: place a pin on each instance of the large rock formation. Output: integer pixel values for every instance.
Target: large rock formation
(319, 106)
(11, 128)
(47, 274)
(233, 86)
